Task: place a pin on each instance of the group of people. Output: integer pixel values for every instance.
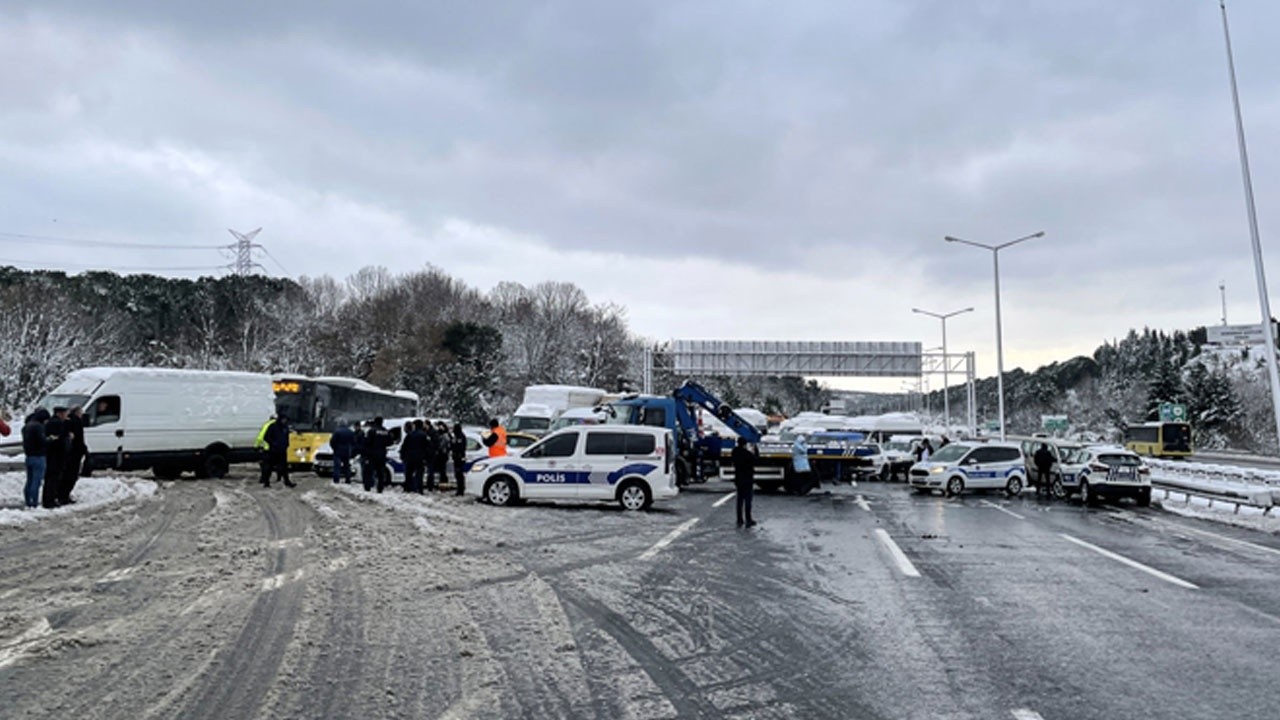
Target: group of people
(425, 449)
(55, 449)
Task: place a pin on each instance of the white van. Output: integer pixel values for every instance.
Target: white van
(167, 420)
(630, 464)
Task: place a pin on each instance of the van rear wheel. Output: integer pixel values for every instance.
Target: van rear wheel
(214, 465)
(634, 496)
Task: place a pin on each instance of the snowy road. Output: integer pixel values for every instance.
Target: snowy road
(219, 599)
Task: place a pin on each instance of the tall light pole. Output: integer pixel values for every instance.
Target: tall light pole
(1252, 212)
(995, 261)
(946, 384)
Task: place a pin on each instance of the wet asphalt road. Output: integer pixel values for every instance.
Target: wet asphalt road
(220, 599)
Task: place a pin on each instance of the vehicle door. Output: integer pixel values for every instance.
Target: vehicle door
(981, 469)
(104, 432)
(1071, 467)
(552, 467)
(610, 455)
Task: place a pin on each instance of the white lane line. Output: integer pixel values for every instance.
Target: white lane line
(990, 504)
(862, 503)
(1025, 714)
(1224, 538)
(1132, 563)
(724, 500)
(670, 538)
(899, 557)
(16, 648)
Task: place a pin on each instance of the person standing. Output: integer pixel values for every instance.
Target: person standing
(343, 444)
(442, 452)
(413, 451)
(496, 439)
(376, 442)
(264, 457)
(926, 449)
(800, 463)
(430, 451)
(34, 445)
(458, 451)
(4, 425)
(744, 479)
(278, 451)
(1044, 468)
(57, 446)
(75, 455)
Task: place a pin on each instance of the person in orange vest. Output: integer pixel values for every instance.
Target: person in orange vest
(496, 440)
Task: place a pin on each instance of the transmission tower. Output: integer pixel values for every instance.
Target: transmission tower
(243, 251)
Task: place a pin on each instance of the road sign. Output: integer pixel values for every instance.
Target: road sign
(1173, 412)
(1236, 334)
(1054, 423)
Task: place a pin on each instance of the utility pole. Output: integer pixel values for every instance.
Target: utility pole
(1222, 288)
(243, 250)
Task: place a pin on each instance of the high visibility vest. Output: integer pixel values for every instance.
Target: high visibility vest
(499, 448)
(261, 442)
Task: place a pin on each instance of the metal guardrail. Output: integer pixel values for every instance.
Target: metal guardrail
(1263, 497)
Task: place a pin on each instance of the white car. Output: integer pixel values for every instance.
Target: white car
(629, 464)
(1103, 471)
(972, 466)
(323, 463)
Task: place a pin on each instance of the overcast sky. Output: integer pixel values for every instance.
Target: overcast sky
(732, 169)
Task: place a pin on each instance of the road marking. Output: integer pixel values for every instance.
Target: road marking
(899, 557)
(670, 538)
(724, 500)
(14, 651)
(990, 504)
(862, 503)
(1224, 538)
(1025, 714)
(1133, 563)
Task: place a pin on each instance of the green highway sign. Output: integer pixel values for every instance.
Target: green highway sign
(1173, 412)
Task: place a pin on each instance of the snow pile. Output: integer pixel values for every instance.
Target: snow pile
(426, 507)
(1212, 471)
(1198, 507)
(90, 493)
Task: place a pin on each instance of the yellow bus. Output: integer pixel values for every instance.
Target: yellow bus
(315, 407)
(1159, 439)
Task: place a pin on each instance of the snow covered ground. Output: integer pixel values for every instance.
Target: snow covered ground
(90, 493)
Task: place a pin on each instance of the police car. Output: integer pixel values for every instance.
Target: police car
(631, 465)
(1101, 471)
(971, 466)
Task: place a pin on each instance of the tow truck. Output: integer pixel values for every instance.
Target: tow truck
(697, 455)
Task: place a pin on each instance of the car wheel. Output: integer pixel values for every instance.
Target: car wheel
(634, 496)
(214, 466)
(1057, 488)
(955, 486)
(1143, 498)
(1014, 487)
(1087, 496)
(500, 491)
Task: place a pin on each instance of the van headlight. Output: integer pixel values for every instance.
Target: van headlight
(480, 467)
(936, 470)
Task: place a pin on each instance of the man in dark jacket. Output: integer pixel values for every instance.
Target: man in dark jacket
(413, 452)
(75, 455)
(376, 441)
(1044, 468)
(433, 447)
(458, 452)
(442, 452)
(278, 451)
(744, 479)
(343, 445)
(57, 447)
(33, 446)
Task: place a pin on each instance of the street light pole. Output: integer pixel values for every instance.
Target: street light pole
(1252, 212)
(946, 383)
(995, 261)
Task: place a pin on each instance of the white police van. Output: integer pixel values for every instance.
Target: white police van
(972, 466)
(629, 464)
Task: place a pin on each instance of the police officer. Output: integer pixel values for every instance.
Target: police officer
(744, 479)
(278, 451)
(1044, 468)
(458, 451)
(430, 450)
(343, 444)
(413, 451)
(376, 441)
(76, 451)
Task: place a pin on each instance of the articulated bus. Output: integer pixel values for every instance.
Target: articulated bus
(316, 406)
(1159, 439)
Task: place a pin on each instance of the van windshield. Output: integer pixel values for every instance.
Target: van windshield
(950, 453)
(524, 423)
(67, 401)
